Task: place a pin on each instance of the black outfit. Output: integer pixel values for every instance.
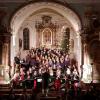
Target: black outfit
(17, 60)
(45, 78)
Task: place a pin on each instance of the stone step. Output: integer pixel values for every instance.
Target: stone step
(4, 86)
(49, 98)
(51, 94)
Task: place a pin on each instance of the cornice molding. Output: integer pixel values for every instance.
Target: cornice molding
(66, 1)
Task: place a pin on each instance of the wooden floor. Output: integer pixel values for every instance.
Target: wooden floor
(7, 93)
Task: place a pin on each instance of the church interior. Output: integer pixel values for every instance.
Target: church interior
(49, 49)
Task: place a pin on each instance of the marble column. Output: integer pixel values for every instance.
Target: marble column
(5, 54)
(5, 37)
(87, 68)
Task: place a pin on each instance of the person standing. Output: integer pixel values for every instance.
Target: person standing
(17, 63)
(45, 83)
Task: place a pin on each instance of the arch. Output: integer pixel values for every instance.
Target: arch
(23, 13)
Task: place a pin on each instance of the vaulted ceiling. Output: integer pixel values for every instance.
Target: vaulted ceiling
(68, 1)
(9, 7)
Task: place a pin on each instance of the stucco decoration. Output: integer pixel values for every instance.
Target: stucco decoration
(24, 12)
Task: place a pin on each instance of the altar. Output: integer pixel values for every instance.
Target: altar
(46, 32)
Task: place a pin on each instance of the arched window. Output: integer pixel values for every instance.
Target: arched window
(26, 39)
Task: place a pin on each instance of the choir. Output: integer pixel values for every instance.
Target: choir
(38, 61)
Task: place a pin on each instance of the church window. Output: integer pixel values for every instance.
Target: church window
(26, 39)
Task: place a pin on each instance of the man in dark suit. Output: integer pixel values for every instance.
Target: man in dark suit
(17, 59)
(45, 77)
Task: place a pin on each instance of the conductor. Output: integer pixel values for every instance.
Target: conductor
(45, 78)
